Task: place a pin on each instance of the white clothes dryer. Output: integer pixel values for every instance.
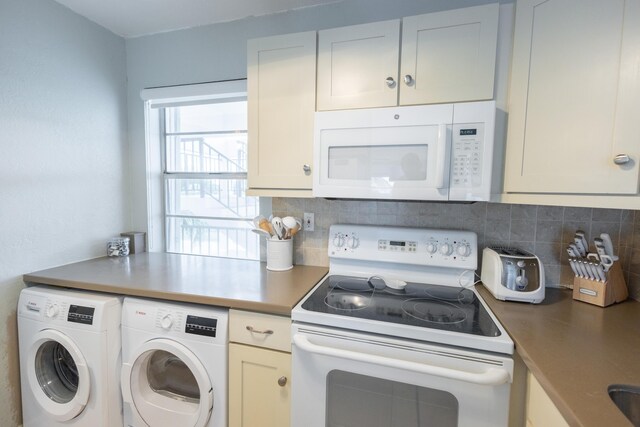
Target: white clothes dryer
(174, 370)
(69, 345)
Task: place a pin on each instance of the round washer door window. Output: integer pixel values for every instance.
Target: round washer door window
(168, 385)
(58, 375)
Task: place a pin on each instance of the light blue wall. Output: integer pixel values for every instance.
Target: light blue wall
(63, 161)
(218, 52)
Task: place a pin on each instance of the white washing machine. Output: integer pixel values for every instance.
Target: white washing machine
(174, 370)
(69, 358)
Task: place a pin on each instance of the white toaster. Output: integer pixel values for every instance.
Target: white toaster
(512, 274)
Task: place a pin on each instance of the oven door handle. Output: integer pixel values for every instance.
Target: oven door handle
(491, 377)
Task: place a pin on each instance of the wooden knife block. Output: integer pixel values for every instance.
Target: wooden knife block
(602, 293)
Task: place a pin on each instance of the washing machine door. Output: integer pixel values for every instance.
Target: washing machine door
(58, 375)
(166, 384)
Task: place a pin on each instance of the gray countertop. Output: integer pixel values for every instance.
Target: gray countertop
(205, 280)
(576, 350)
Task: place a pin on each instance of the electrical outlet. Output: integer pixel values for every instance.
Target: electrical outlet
(309, 221)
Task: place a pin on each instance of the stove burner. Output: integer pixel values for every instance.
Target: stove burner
(431, 311)
(348, 302)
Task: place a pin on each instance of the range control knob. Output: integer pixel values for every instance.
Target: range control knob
(446, 249)
(166, 322)
(52, 311)
(463, 249)
(353, 242)
(338, 241)
(432, 248)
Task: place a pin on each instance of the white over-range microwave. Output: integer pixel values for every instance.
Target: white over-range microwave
(426, 152)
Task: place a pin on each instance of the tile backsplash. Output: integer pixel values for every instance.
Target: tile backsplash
(543, 230)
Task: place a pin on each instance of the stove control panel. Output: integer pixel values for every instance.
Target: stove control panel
(419, 246)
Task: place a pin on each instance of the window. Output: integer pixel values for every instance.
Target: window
(204, 174)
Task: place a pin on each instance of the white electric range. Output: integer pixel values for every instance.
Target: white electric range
(397, 335)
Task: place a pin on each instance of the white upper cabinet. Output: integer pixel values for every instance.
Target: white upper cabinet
(574, 98)
(449, 56)
(281, 82)
(443, 57)
(358, 66)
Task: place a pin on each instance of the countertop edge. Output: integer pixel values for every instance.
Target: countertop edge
(525, 322)
(178, 297)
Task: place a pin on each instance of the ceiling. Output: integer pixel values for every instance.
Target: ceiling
(133, 18)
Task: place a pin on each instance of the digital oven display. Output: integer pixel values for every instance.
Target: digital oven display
(468, 132)
(394, 243)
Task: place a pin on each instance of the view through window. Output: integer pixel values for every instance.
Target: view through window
(205, 179)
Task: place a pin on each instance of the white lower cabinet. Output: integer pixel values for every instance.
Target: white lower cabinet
(259, 370)
(541, 412)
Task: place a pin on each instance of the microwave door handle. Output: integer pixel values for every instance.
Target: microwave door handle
(441, 156)
(491, 377)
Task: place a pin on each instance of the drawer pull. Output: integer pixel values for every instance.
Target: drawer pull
(266, 332)
(282, 381)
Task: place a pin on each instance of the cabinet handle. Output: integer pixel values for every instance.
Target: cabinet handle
(621, 159)
(306, 168)
(408, 80)
(282, 381)
(390, 82)
(265, 332)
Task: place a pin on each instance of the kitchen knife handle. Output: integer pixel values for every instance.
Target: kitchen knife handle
(608, 246)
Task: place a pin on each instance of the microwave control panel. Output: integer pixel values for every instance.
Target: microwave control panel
(466, 155)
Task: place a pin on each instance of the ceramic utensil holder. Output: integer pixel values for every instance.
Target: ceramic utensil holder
(279, 254)
(602, 293)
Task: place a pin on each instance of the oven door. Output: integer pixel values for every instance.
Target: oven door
(348, 379)
(383, 153)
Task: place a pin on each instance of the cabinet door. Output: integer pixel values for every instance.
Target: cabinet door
(574, 97)
(540, 409)
(259, 387)
(449, 56)
(355, 63)
(281, 79)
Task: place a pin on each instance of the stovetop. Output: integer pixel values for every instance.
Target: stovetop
(439, 303)
(453, 309)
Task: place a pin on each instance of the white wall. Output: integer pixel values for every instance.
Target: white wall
(218, 52)
(63, 154)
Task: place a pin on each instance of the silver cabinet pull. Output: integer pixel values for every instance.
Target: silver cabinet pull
(390, 82)
(621, 159)
(265, 332)
(282, 381)
(408, 80)
(306, 168)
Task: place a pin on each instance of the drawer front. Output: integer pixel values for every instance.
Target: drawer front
(260, 330)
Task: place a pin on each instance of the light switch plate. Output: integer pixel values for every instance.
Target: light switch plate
(309, 221)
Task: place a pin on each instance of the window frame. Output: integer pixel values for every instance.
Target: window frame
(156, 101)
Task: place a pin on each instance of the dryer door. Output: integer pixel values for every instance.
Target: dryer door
(166, 384)
(58, 375)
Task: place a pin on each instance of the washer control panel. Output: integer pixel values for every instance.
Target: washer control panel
(201, 326)
(419, 246)
(77, 313)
